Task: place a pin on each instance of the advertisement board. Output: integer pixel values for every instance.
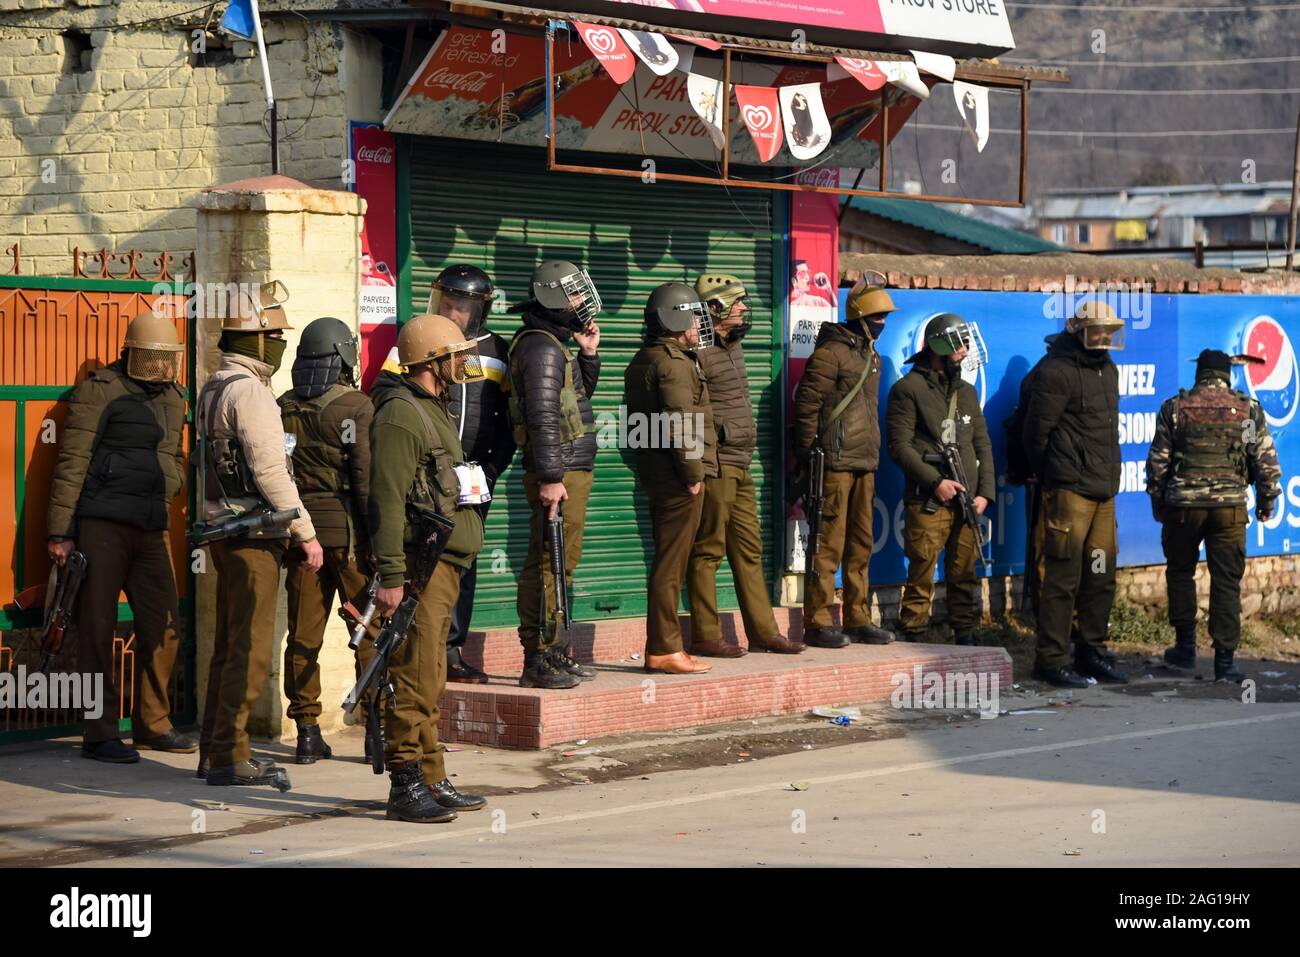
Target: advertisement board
(1163, 333)
(374, 167)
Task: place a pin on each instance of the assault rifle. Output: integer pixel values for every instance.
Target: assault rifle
(236, 526)
(950, 467)
(555, 549)
(813, 501)
(59, 618)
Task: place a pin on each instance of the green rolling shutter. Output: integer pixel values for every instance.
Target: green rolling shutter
(497, 207)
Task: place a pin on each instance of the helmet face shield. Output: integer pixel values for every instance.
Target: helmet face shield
(956, 336)
(574, 293)
(703, 324)
(465, 309)
(153, 365)
(460, 363)
(1103, 335)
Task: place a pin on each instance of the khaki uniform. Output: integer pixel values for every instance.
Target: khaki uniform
(842, 363)
(120, 465)
(414, 447)
(332, 471)
(664, 378)
(1078, 586)
(729, 517)
(535, 578)
(237, 403)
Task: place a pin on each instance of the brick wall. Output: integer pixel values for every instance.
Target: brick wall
(113, 156)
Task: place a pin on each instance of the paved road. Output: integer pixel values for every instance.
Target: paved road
(1113, 780)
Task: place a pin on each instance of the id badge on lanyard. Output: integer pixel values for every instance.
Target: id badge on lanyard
(473, 484)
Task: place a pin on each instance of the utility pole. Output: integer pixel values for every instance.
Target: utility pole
(1295, 195)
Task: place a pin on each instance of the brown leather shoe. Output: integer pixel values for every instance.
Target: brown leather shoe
(678, 663)
(717, 649)
(777, 645)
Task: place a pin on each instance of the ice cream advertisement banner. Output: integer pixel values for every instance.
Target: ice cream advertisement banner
(374, 159)
(466, 90)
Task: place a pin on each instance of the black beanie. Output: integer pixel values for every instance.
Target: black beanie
(1212, 360)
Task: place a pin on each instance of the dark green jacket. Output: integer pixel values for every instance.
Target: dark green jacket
(1072, 421)
(665, 377)
(852, 441)
(121, 456)
(723, 365)
(331, 462)
(401, 446)
(918, 406)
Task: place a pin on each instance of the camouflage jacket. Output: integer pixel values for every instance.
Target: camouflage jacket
(1210, 443)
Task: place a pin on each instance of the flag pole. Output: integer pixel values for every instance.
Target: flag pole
(266, 82)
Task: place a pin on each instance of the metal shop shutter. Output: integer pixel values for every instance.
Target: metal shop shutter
(497, 207)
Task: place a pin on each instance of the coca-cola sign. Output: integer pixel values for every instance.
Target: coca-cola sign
(375, 154)
(471, 82)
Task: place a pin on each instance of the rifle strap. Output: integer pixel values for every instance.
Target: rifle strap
(849, 396)
(952, 407)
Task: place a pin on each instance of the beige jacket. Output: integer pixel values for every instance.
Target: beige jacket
(247, 408)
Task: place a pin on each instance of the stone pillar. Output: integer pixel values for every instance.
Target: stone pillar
(254, 231)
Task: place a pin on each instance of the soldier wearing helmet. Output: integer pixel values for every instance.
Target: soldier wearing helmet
(120, 465)
(1211, 444)
(1071, 442)
(464, 294)
(667, 395)
(835, 408)
(729, 518)
(550, 412)
(329, 420)
(417, 464)
(246, 467)
(930, 407)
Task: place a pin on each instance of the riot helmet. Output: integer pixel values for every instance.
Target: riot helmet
(563, 289)
(437, 339)
(462, 293)
(720, 292)
(675, 308)
(948, 333)
(1097, 325)
(327, 348)
(154, 350)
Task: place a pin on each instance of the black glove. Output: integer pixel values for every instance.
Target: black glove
(1264, 509)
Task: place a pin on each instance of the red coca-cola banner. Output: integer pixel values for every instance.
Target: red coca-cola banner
(374, 160)
(607, 46)
(760, 108)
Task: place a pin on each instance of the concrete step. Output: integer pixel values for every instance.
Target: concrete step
(624, 698)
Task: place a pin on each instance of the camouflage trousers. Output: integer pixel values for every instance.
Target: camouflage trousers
(1223, 530)
(1078, 587)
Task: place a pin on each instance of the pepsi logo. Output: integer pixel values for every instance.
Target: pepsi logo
(971, 371)
(759, 119)
(1275, 384)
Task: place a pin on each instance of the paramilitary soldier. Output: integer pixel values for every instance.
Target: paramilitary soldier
(930, 407)
(663, 384)
(329, 419)
(835, 409)
(1210, 444)
(246, 468)
(1071, 437)
(481, 412)
(729, 521)
(550, 411)
(416, 462)
(121, 462)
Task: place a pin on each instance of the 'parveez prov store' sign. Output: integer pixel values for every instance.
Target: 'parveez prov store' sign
(978, 27)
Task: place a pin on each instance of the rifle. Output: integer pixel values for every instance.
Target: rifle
(59, 617)
(235, 526)
(555, 548)
(432, 532)
(950, 467)
(359, 621)
(813, 500)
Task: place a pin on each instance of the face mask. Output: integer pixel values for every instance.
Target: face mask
(738, 333)
(874, 327)
(273, 352)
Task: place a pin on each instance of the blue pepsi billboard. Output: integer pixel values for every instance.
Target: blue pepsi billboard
(1163, 332)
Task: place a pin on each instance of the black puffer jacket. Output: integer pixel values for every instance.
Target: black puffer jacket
(481, 411)
(1072, 421)
(536, 377)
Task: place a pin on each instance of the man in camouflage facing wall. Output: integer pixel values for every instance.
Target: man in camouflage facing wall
(1211, 443)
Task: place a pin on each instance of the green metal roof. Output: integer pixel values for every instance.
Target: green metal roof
(936, 218)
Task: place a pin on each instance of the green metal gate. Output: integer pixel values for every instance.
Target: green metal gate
(497, 207)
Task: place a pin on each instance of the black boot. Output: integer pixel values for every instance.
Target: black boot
(1182, 653)
(1092, 663)
(202, 771)
(1225, 670)
(250, 774)
(311, 746)
(966, 639)
(411, 800)
(870, 635)
(112, 751)
(826, 638)
(1061, 676)
(449, 797)
(541, 672)
(458, 669)
(562, 658)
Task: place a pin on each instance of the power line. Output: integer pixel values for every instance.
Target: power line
(1091, 92)
(1123, 134)
(1154, 64)
(109, 27)
(1109, 8)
